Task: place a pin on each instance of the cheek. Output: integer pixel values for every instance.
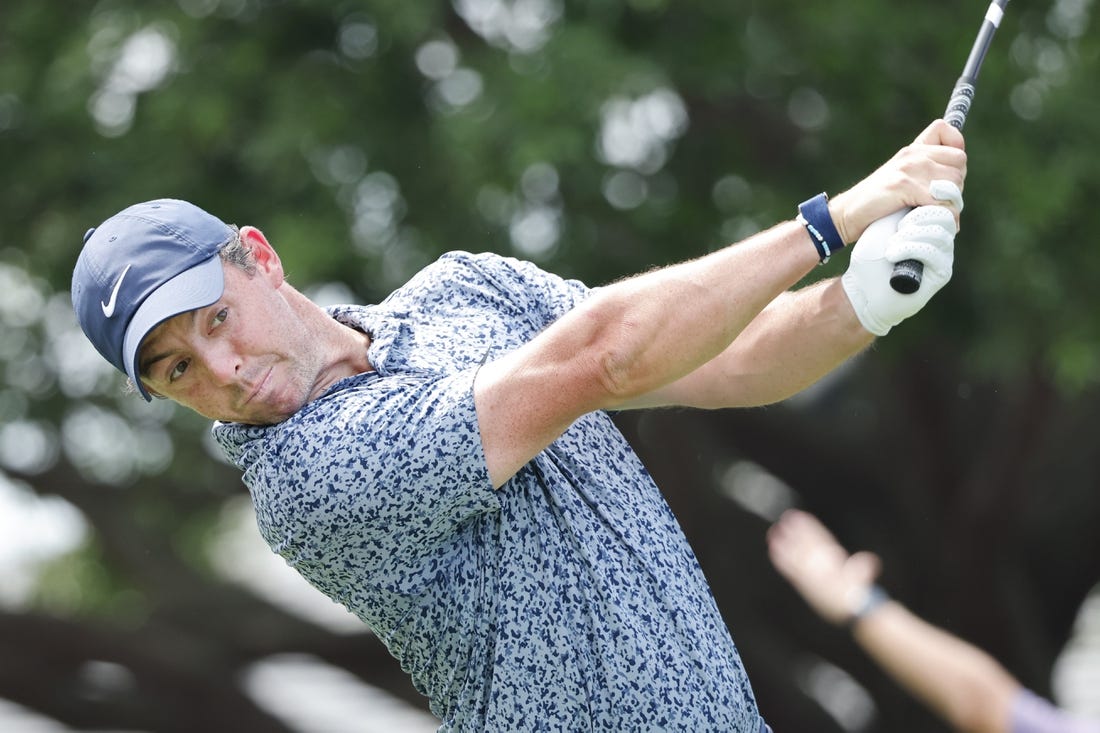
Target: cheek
(198, 399)
(266, 326)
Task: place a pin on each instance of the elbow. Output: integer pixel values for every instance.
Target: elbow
(616, 358)
(623, 371)
(616, 376)
(627, 350)
(973, 719)
(987, 706)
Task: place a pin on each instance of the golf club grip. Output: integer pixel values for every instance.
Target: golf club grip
(907, 274)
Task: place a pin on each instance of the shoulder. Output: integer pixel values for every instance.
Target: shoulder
(374, 454)
(322, 424)
(494, 267)
(487, 266)
(464, 280)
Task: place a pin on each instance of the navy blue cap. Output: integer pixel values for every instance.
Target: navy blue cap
(142, 266)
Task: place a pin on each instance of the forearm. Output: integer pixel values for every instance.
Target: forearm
(796, 340)
(641, 335)
(628, 340)
(961, 683)
(658, 327)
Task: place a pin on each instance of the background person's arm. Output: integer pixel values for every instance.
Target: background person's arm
(958, 681)
(963, 684)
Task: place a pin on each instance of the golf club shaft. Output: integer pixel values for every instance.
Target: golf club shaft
(907, 274)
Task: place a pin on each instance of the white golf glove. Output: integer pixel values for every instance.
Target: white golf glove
(927, 234)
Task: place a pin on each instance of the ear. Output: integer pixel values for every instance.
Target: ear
(267, 259)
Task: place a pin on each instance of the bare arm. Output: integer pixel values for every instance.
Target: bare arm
(796, 340)
(628, 340)
(958, 681)
(638, 336)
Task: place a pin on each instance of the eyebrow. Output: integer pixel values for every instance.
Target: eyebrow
(146, 364)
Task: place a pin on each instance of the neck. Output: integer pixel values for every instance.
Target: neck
(344, 347)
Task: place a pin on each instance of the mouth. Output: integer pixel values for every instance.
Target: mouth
(260, 385)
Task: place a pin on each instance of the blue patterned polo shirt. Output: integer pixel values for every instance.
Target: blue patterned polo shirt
(567, 600)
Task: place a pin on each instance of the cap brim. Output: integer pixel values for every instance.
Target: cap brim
(197, 287)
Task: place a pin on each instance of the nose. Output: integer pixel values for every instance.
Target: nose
(223, 364)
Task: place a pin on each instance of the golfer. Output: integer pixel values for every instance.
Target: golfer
(443, 464)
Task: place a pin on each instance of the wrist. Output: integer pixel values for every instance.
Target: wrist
(871, 599)
(840, 214)
(851, 332)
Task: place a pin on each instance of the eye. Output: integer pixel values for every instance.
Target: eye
(219, 317)
(178, 370)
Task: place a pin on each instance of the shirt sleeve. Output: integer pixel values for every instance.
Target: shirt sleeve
(1033, 714)
(377, 475)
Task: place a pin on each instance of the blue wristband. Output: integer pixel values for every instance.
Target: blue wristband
(814, 215)
(871, 602)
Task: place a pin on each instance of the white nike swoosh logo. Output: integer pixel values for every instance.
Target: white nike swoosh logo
(109, 306)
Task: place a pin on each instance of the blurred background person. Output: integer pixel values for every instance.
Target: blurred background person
(961, 683)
